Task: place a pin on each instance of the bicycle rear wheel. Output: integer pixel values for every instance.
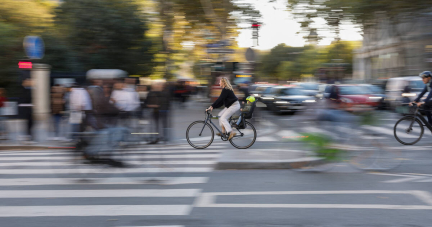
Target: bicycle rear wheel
(406, 135)
(199, 134)
(245, 138)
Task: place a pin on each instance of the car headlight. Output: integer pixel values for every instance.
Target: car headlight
(310, 100)
(408, 94)
(267, 98)
(375, 98)
(281, 102)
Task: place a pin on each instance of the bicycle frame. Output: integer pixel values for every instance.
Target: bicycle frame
(417, 115)
(208, 119)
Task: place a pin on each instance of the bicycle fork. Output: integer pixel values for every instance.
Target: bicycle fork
(205, 123)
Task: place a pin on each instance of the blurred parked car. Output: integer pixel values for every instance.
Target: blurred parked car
(269, 94)
(290, 99)
(401, 90)
(350, 95)
(310, 89)
(259, 90)
(376, 94)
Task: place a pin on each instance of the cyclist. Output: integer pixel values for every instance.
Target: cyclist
(426, 77)
(231, 103)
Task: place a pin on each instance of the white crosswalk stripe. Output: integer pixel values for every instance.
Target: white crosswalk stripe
(51, 174)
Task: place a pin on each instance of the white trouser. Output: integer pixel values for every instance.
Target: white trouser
(226, 113)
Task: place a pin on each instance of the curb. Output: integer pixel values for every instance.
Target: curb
(265, 164)
(23, 147)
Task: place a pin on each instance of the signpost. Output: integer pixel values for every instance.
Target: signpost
(34, 47)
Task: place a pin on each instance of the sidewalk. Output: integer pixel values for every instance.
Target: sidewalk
(267, 158)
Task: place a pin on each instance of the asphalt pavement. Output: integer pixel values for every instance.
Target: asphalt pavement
(41, 188)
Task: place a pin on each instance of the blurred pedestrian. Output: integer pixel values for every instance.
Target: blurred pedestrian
(159, 101)
(3, 132)
(80, 103)
(57, 108)
(25, 107)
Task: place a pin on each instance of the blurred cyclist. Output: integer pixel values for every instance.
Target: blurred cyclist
(426, 77)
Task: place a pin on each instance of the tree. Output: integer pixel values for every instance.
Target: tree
(364, 13)
(16, 22)
(105, 34)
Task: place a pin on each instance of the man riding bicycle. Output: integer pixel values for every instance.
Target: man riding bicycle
(426, 77)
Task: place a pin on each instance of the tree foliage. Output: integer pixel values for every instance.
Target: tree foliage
(105, 34)
(290, 63)
(364, 13)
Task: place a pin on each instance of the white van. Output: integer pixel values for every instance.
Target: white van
(396, 92)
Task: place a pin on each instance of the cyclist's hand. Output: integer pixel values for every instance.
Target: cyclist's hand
(410, 104)
(420, 103)
(210, 108)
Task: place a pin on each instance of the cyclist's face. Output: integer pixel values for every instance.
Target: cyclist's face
(221, 83)
(426, 80)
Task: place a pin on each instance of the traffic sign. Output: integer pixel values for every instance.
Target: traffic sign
(34, 47)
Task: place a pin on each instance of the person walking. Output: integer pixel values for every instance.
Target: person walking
(3, 132)
(57, 108)
(228, 99)
(25, 107)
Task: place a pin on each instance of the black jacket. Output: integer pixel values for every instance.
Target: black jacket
(227, 98)
(428, 98)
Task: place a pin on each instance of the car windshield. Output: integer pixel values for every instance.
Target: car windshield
(352, 90)
(260, 89)
(375, 89)
(417, 84)
(309, 86)
(292, 91)
(267, 91)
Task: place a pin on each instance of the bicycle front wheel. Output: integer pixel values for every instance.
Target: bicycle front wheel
(407, 135)
(199, 134)
(245, 138)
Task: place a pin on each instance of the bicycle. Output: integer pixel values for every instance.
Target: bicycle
(99, 154)
(347, 143)
(200, 134)
(410, 128)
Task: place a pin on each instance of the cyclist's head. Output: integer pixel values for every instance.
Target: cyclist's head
(426, 76)
(225, 83)
(250, 99)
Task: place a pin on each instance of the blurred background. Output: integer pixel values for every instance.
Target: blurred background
(154, 66)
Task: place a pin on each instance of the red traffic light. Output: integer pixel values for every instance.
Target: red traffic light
(255, 25)
(25, 65)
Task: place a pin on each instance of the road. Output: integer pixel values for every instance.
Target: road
(38, 189)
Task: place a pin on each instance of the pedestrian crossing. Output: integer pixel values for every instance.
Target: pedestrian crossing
(40, 180)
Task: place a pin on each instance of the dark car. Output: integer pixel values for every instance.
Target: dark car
(268, 96)
(290, 100)
(311, 89)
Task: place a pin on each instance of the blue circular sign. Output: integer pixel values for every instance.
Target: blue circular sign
(34, 47)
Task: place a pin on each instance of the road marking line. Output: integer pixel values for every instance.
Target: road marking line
(110, 170)
(156, 226)
(266, 139)
(131, 157)
(108, 193)
(137, 163)
(93, 210)
(209, 200)
(406, 179)
(111, 180)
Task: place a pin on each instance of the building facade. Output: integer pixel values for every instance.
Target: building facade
(391, 50)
